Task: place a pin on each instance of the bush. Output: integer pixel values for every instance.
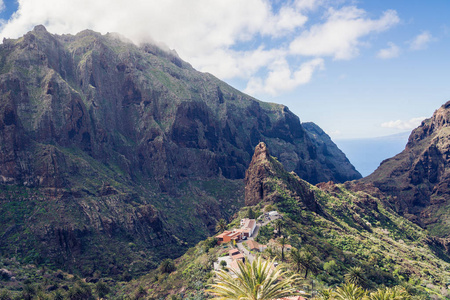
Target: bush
(167, 266)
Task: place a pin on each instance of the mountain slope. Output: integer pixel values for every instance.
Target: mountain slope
(340, 225)
(418, 178)
(106, 143)
(329, 153)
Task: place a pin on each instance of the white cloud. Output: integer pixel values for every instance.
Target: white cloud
(340, 35)
(2, 5)
(392, 51)
(403, 125)
(280, 77)
(250, 40)
(421, 41)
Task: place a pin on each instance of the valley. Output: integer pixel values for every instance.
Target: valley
(118, 162)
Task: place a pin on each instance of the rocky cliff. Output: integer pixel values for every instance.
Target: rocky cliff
(105, 142)
(418, 178)
(329, 154)
(267, 181)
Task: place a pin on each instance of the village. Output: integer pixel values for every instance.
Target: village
(243, 246)
(243, 241)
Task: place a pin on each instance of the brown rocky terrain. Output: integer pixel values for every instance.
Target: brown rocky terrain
(103, 142)
(417, 179)
(267, 181)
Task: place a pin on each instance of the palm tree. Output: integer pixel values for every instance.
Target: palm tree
(283, 242)
(278, 224)
(297, 259)
(349, 291)
(304, 261)
(395, 293)
(167, 266)
(325, 294)
(221, 225)
(255, 281)
(356, 276)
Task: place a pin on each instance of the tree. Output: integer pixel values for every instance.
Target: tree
(356, 276)
(223, 264)
(325, 294)
(304, 261)
(167, 266)
(5, 295)
(297, 259)
(349, 291)
(395, 293)
(278, 224)
(283, 242)
(140, 293)
(28, 292)
(221, 225)
(80, 291)
(255, 281)
(251, 213)
(57, 295)
(102, 289)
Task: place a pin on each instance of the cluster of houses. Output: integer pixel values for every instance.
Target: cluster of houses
(246, 230)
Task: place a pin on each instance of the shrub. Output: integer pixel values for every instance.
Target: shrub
(167, 266)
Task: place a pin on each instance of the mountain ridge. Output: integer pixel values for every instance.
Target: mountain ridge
(126, 145)
(417, 178)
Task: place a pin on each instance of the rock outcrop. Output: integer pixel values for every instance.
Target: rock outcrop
(267, 181)
(418, 178)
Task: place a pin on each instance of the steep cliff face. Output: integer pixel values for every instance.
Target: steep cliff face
(418, 178)
(144, 109)
(330, 155)
(120, 143)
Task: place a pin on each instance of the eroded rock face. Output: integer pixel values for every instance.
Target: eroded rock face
(418, 178)
(143, 108)
(267, 181)
(256, 175)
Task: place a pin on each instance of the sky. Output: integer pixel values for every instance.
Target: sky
(358, 69)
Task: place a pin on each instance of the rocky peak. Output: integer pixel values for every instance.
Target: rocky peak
(266, 180)
(261, 153)
(439, 120)
(256, 174)
(40, 29)
(417, 178)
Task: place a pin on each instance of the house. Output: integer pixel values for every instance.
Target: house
(248, 227)
(240, 257)
(273, 213)
(228, 236)
(233, 252)
(255, 246)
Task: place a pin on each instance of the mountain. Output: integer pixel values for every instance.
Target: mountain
(329, 153)
(418, 178)
(114, 156)
(366, 154)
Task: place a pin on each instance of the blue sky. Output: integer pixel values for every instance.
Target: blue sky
(356, 68)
